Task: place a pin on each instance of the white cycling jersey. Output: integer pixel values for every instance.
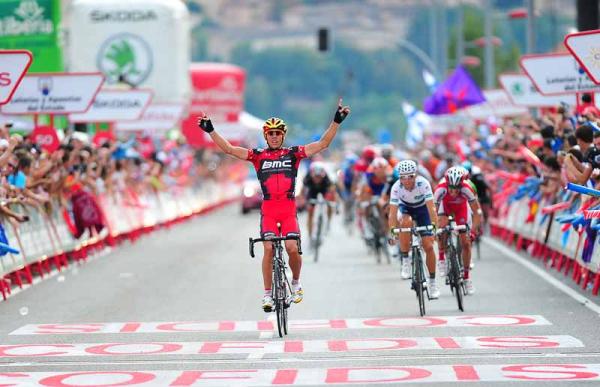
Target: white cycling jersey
(414, 198)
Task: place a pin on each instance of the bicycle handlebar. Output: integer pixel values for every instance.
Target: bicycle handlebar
(252, 241)
(317, 201)
(458, 227)
(416, 229)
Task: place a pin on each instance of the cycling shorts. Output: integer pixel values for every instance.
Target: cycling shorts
(282, 212)
(460, 212)
(418, 214)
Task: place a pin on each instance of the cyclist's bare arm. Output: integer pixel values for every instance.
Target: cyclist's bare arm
(235, 151)
(432, 212)
(392, 217)
(327, 137)
(476, 208)
(205, 124)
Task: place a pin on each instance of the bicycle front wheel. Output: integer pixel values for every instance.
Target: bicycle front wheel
(455, 277)
(279, 292)
(418, 281)
(319, 237)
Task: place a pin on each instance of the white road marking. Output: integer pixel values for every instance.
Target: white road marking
(364, 375)
(544, 275)
(256, 349)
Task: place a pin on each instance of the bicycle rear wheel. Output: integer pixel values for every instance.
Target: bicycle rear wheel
(418, 281)
(454, 276)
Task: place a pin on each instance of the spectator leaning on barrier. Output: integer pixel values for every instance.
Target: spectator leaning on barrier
(582, 170)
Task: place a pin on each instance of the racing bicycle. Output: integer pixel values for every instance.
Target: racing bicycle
(281, 291)
(419, 277)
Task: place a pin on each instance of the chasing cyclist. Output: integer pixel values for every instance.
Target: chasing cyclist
(317, 182)
(369, 192)
(276, 169)
(411, 200)
(453, 197)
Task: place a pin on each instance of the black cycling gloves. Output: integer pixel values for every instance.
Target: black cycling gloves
(340, 115)
(206, 125)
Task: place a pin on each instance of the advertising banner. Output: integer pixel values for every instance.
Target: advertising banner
(140, 43)
(13, 66)
(218, 91)
(554, 74)
(156, 117)
(115, 105)
(522, 92)
(497, 104)
(585, 48)
(58, 93)
(33, 25)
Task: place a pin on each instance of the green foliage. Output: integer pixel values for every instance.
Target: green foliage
(302, 85)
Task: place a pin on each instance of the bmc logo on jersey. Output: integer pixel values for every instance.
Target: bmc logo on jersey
(276, 164)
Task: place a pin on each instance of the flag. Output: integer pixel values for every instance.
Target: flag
(430, 81)
(456, 92)
(417, 123)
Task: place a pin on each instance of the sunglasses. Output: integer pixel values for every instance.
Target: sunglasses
(406, 177)
(274, 133)
(456, 187)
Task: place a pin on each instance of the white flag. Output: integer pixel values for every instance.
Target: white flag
(417, 123)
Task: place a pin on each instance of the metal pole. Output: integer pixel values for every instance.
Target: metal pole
(488, 48)
(530, 27)
(433, 34)
(443, 38)
(460, 35)
(427, 61)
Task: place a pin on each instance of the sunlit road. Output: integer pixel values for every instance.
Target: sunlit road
(182, 307)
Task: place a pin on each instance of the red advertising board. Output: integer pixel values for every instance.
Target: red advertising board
(46, 138)
(218, 91)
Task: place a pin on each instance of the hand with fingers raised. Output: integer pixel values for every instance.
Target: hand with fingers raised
(205, 123)
(341, 113)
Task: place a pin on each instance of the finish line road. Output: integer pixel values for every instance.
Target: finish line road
(182, 307)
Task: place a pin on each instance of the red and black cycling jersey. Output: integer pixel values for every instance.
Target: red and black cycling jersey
(276, 170)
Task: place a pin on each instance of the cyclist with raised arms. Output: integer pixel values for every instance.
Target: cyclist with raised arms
(453, 197)
(411, 200)
(276, 169)
(317, 182)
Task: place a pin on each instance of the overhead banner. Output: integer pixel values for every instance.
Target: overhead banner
(522, 92)
(58, 93)
(13, 66)
(585, 47)
(497, 104)
(140, 43)
(554, 74)
(157, 117)
(34, 25)
(115, 105)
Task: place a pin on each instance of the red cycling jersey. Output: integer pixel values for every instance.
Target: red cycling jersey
(455, 205)
(276, 170)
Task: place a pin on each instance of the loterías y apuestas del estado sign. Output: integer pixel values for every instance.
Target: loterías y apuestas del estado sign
(27, 17)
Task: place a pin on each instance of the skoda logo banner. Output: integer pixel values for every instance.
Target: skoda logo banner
(125, 58)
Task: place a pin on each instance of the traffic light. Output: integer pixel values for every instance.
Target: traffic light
(323, 37)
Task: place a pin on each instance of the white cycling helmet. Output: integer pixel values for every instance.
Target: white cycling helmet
(317, 168)
(379, 162)
(454, 176)
(406, 167)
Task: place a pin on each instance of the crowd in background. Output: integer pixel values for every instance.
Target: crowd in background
(80, 171)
